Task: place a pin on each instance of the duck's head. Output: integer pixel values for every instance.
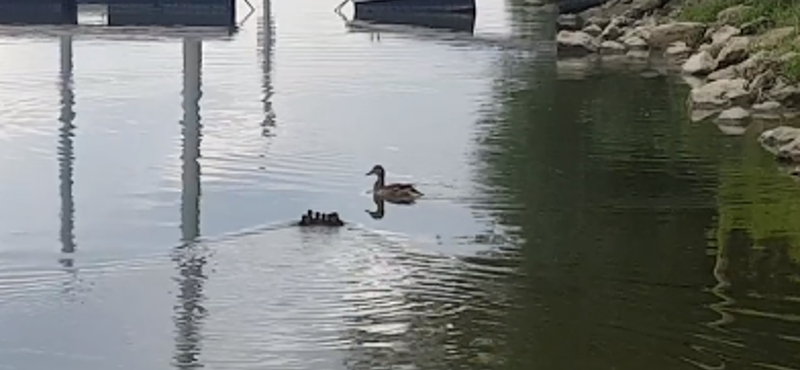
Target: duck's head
(377, 170)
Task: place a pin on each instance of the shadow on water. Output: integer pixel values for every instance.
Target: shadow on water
(189, 255)
(617, 198)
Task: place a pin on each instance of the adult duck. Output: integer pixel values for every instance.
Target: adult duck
(395, 193)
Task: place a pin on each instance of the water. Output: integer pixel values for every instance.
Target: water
(574, 218)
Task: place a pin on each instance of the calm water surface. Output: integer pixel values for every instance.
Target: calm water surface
(574, 218)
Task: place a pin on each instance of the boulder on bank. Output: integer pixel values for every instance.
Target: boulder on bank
(701, 63)
(635, 42)
(723, 34)
(611, 32)
(575, 43)
(663, 35)
(599, 21)
(720, 94)
(727, 73)
(678, 49)
(593, 30)
(787, 95)
(612, 47)
(736, 50)
(783, 142)
(767, 106)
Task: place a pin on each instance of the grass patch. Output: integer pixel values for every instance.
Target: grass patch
(705, 10)
(779, 12)
(792, 69)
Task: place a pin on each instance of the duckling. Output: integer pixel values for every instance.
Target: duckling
(334, 220)
(396, 193)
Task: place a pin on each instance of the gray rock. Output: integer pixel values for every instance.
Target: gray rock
(787, 95)
(689, 32)
(635, 42)
(699, 64)
(575, 43)
(697, 115)
(727, 73)
(756, 64)
(612, 47)
(720, 94)
(782, 141)
(762, 82)
(593, 30)
(735, 51)
(723, 34)
(767, 106)
(638, 54)
(612, 32)
(678, 49)
(600, 21)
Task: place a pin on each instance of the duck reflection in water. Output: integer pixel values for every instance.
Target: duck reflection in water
(380, 205)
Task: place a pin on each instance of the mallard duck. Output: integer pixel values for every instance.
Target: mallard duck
(397, 193)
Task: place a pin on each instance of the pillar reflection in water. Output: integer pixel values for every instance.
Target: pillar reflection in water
(65, 150)
(267, 44)
(189, 310)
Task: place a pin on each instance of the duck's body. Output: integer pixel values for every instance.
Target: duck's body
(397, 192)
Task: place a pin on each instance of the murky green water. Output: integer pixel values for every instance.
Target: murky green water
(574, 218)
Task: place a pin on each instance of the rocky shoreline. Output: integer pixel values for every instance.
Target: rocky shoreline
(734, 70)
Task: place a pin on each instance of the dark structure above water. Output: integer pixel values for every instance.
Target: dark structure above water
(577, 6)
(455, 22)
(416, 6)
(38, 12)
(123, 12)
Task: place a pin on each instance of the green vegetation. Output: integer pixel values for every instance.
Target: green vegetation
(759, 14)
(792, 67)
(705, 10)
(777, 12)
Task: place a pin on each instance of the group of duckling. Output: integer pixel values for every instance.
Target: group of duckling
(400, 193)
(320, 219)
